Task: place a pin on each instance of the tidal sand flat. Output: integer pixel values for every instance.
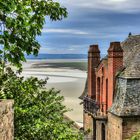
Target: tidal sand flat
(68, 76)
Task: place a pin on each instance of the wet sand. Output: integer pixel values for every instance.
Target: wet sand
(69, 80)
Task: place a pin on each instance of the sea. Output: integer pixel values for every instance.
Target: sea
(57, 56)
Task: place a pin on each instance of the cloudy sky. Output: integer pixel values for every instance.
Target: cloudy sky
(90, 22)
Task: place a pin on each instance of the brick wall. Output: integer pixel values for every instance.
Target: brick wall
(93, 61)
(105, 76)
(103, 71)
(115, 63)
(101, 78)
(6, 120)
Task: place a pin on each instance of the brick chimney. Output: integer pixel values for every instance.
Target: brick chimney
(93, 61)
(115, 62)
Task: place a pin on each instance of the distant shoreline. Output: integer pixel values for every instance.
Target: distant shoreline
(56, 60)
(57, 56)
(80, 64)
(67, 75)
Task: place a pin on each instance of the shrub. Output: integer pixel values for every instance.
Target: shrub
(38, 112)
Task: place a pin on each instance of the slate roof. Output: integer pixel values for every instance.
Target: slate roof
(131, 47)
(127, 99)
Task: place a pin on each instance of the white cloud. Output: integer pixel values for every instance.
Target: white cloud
(70, 49)
(46, 50)
(51, 50)
(126, 6)
(65, 31)
(91, 22)
(117, 0)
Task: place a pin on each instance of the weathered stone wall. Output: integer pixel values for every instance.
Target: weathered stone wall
(114, 127)
(88, 125)
(6, 120)
(130, 126)
(120, 128)
(99, 130)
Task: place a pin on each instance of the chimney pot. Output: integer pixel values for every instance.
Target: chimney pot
(115, 47)
(94, 49)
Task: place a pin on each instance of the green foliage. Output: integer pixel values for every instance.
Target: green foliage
(22, 21)
(38, 112)
(136, 136)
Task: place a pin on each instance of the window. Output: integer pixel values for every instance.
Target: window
(103, 71)
(98, 90)
(106, 94)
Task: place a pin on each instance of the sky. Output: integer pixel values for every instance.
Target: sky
(90, 22)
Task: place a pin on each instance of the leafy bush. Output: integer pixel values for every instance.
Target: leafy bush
(136, 136)
(38, 112)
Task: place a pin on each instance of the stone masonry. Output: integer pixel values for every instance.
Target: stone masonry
(6, 120)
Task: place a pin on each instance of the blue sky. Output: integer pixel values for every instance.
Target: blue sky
(90, 22)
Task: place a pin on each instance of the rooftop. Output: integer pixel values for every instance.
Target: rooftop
(131, 47)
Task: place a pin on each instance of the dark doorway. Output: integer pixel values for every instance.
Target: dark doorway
(94, 129)
(103, 131)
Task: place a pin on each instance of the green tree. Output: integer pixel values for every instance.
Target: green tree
(39, 113)
(21, 22)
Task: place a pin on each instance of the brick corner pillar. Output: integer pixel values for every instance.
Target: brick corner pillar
(93, 62)
(115, 63)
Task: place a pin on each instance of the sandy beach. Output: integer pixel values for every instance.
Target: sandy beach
(69, 79)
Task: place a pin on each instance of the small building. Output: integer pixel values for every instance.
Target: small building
(112, 95)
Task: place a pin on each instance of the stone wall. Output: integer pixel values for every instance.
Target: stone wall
(98, 130)
(6, 120)
(88, 125)
(130, 127)
(122, 128)
(100, 135)
(114, 127)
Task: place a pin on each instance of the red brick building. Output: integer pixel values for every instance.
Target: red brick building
(102, 110)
